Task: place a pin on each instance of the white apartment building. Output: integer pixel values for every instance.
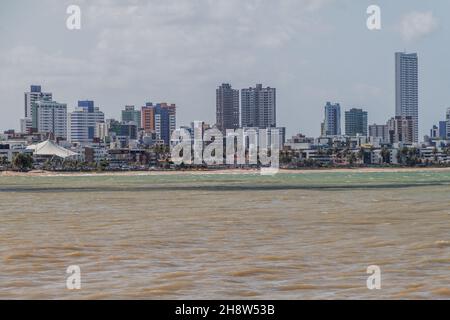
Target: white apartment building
(51, 117)
(82, 124)
(32, 97)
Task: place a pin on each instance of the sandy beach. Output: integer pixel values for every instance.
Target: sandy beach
(38, 173)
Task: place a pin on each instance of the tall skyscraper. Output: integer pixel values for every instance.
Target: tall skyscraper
(131, 115)
(434, 132)
(443, 129)
(259, 107)
(332, 122)
(50, 117)
(172, 109)
(448, 123)
(159, 119)
(401, 130)
(83, 121)
(148, 118)
(355, 122)
(407, 89)
(227, 107)
(32, 97)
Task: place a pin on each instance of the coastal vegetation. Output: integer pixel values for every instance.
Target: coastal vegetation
(22, 162)
(289, 159)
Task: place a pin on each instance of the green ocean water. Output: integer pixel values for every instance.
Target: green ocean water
(313, 180)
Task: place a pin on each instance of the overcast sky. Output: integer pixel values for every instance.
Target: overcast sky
(179, 51)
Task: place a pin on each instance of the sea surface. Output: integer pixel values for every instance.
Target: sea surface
(226, 236)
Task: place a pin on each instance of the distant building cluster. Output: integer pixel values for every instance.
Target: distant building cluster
(142, 137)
(87, 124)
(395, 142)
(85, 133)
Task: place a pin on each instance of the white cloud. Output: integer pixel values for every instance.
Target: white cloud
(163, 49)
(417, 25)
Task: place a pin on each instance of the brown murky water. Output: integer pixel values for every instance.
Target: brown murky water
(306, 236)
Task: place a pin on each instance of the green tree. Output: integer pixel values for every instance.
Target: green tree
(4, 161)
(402, 156)
(386, 155)
(360, 154)
(351, 158)
(412, 157)
(22, 162)
(435, 152)
(103, 165)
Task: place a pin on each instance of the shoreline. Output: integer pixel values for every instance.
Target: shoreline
(41, 173)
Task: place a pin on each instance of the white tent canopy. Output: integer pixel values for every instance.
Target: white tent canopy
(49, 148)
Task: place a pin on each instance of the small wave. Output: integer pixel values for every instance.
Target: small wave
(442, 292)
(168, 288)
(252, 272)
(298, 287)
(20, 256)
(442, 244)
(174, 275)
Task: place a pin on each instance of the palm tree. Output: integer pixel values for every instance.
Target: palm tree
(103, 165)
(285, 157)
(435, 152)
(386, 155)
(361, 154)
(4, 161)
(403, 155)
(47, 165)
(351, 158)
(446, 150)
(412, 157)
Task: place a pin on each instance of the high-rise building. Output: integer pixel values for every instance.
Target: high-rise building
(172, 109)
(407, 89)
(32, 97)
(379, 131)
(227, 107)
(401, 130)
(159, 119)
(165, 121)
(332, 122)
(131, 115)
(50, 117)
(83, 122)
(443, 129)
(448, 123)
(126, 130)
(258, 107)
(434, 132)
(148, 118)
(322, 129)
(356, 123)
(102, 129)
(26, 125)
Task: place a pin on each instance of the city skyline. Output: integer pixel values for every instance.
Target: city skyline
(234, 109)
(360, 74)
(244, 103)
(194, 152)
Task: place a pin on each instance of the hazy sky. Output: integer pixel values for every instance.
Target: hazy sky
(179, 51)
